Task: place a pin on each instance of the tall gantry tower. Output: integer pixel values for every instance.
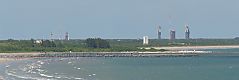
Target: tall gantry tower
(67, 36)
(187, 32)
(159, 32)
(172, 35)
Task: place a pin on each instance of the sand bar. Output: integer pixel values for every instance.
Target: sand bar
(198, 47)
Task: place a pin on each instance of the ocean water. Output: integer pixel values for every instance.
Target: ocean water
(124, 68)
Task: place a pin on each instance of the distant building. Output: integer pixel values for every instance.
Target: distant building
(67, 36)
(159, 32)
(187, 32)
(172, 34)
(38, 41)
(145, 40)
(51, 36)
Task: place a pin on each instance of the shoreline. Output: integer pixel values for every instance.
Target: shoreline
(197, 47)
(182, 51)
(4, 60)
(8, 57)
(173, 51)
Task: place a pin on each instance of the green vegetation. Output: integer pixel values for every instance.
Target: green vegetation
(97, 43)
(102, 45)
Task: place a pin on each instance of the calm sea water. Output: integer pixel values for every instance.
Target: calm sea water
(124, 68)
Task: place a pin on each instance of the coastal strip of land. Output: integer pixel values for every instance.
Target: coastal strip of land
(198, 47)
(7, 57)
(95, 54)
(173, 51)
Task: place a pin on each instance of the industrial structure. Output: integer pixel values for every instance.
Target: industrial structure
(159, 32)
(187, 32)
(67, 36)
(51, 36)
(145, 40)
(172, 34)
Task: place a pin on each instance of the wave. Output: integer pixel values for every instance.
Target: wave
(22, 77)
(78, 78)
(48, 76)
(40, 70)
(36, 70)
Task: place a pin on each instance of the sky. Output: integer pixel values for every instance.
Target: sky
(120, 19)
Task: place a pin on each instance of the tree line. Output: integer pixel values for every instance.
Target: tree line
(97, 43)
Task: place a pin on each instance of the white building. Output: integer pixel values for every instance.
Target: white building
(38, 41)
(145, 40)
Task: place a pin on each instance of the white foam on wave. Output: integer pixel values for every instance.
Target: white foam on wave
(48, 76)
(78, 78)
(7, 66)
(66, 77)
(34, 72)
(22, 77)
(56, 76)
(69, 62)
(40, 70)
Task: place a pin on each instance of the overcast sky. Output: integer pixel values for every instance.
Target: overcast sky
(25, 19)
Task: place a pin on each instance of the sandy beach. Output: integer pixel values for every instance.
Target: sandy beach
(198, 47)
(3, 60)
(7, 59)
